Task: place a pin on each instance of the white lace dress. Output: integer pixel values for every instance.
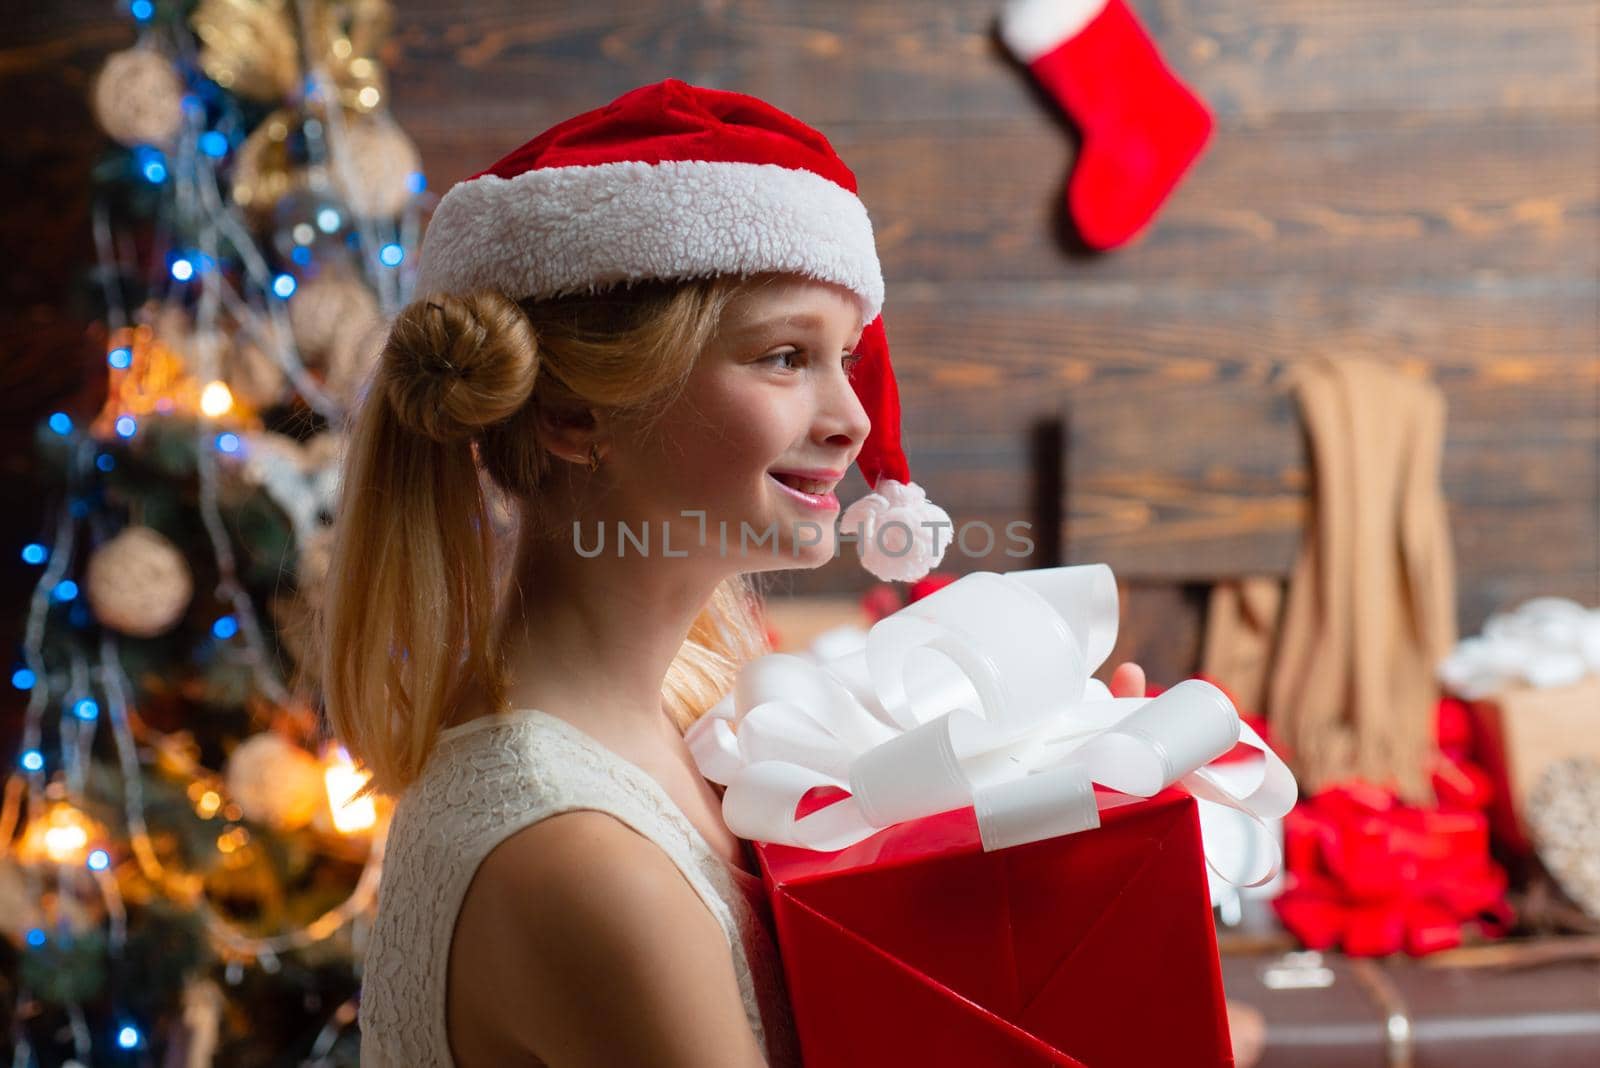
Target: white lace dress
(486, 780)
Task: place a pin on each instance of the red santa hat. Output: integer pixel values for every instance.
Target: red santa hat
(676, 181)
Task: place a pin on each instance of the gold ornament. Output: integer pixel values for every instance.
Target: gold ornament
(138, 98)
(348, 36)
(138, 583)
(249, 47)
(263, 172)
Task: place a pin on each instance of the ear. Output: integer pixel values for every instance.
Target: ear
(570, 432)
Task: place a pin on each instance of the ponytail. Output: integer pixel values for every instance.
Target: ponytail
(409, 608)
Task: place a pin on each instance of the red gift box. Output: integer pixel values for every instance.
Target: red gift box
(915, 946)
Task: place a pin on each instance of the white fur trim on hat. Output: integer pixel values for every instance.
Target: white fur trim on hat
(1030, 28)
(883, 520)
(560, 230)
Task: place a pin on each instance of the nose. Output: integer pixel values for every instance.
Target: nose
(842, 420)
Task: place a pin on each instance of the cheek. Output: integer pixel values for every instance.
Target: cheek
(724, 439)
(746, 425)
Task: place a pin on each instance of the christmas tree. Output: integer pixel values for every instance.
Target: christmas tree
(186, 862)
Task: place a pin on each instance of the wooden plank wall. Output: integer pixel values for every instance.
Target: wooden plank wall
(1415, 180)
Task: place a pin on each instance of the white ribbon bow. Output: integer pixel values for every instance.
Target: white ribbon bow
(982, 694)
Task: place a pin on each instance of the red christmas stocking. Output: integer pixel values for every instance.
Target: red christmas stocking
(1141, 126)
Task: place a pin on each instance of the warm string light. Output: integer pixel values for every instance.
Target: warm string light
(62, 836)
(216, 400)
(154, 381)
(149, 379)
(344, 781)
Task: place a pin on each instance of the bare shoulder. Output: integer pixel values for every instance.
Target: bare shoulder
(580, 940)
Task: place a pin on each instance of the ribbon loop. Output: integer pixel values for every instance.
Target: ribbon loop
(983, 693)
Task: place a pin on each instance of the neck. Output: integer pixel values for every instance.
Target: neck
(591, 640)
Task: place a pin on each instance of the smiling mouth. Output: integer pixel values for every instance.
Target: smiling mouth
(811, 487)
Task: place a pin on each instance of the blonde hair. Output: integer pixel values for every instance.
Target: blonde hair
(406, 623)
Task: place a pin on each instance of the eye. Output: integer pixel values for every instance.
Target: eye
(851, 359)
(787, 354)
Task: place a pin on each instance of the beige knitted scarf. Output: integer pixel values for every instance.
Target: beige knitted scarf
(1342, 661)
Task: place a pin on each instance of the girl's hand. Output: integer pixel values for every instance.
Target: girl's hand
(1127, 680)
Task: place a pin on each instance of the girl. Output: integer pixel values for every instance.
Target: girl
(657, 321)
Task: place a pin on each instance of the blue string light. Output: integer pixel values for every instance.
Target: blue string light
(142, 10)
(32, 760)
(120, 357)
(65, 590)
(36, 938)
(225, 627)
(127, 426)
(86, 709)
(284, 285)
(416, 181)
(214, 143)
(99, 860)
(391, 254)
(227, 442)
(182, 269)
(128, 1037)
(151, 163)
(301, 256)
(23, 679)
(105, 462)
(61, 423)
(34, 553)
(328, 220)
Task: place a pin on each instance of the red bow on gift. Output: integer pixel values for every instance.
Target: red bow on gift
(1374, 876)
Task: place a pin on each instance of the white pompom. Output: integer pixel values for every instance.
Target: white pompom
(900, 534)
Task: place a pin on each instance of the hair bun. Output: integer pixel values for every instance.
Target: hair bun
(454, 365)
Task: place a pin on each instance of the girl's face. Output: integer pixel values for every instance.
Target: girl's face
(769, 404)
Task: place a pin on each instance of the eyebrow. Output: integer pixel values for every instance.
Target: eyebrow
(767, 326)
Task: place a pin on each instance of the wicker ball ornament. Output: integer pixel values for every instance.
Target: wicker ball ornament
(138, 98)
(379, 184)
(254, 373)
(323, 309)
(1561, 813)
(274, 781)
(354, 354)
(138, 583)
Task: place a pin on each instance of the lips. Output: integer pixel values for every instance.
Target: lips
(789, 485)
(817, 483)
(804, 485)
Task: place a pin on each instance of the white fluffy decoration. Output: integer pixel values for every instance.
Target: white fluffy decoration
(564, 230)
(1030, 28)
(900, 503)
(1547, 641)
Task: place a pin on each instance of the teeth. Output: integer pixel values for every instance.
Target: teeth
(806, 485)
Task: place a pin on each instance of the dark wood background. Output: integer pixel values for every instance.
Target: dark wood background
(1414, 180)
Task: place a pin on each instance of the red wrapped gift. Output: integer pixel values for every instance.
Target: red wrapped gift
(915, 946)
